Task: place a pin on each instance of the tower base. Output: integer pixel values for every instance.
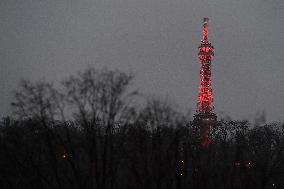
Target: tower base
(204, 123)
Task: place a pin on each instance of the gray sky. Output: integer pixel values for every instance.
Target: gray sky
(158, 40)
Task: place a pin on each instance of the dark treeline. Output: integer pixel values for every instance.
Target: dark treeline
(90, 134)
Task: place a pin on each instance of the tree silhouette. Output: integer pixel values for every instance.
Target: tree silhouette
(89, 133)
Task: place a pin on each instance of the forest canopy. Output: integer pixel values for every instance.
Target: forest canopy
(90, 133)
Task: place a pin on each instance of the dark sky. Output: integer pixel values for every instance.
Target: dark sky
(158, 40)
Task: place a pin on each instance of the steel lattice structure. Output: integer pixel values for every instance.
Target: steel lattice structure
(206, 52)
(205, 119)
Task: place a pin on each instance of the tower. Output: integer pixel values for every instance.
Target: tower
(205, 119)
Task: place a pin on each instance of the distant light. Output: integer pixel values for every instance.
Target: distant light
(248, 164)
(182, 161)
(181, 174)
(237, 163)
(64, 156)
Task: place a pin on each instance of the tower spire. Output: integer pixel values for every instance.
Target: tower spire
(205, 29)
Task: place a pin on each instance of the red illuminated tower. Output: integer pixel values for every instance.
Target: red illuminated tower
(205, 119)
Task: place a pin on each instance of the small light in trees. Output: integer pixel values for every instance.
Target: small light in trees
(248, 164)
(182, 161)
(237, 163)
(181, 174)
(64, 156)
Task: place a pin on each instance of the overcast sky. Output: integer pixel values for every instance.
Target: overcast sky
(158, 40)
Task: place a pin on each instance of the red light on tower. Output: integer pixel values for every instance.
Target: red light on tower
(205, 118)
(206, 52)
